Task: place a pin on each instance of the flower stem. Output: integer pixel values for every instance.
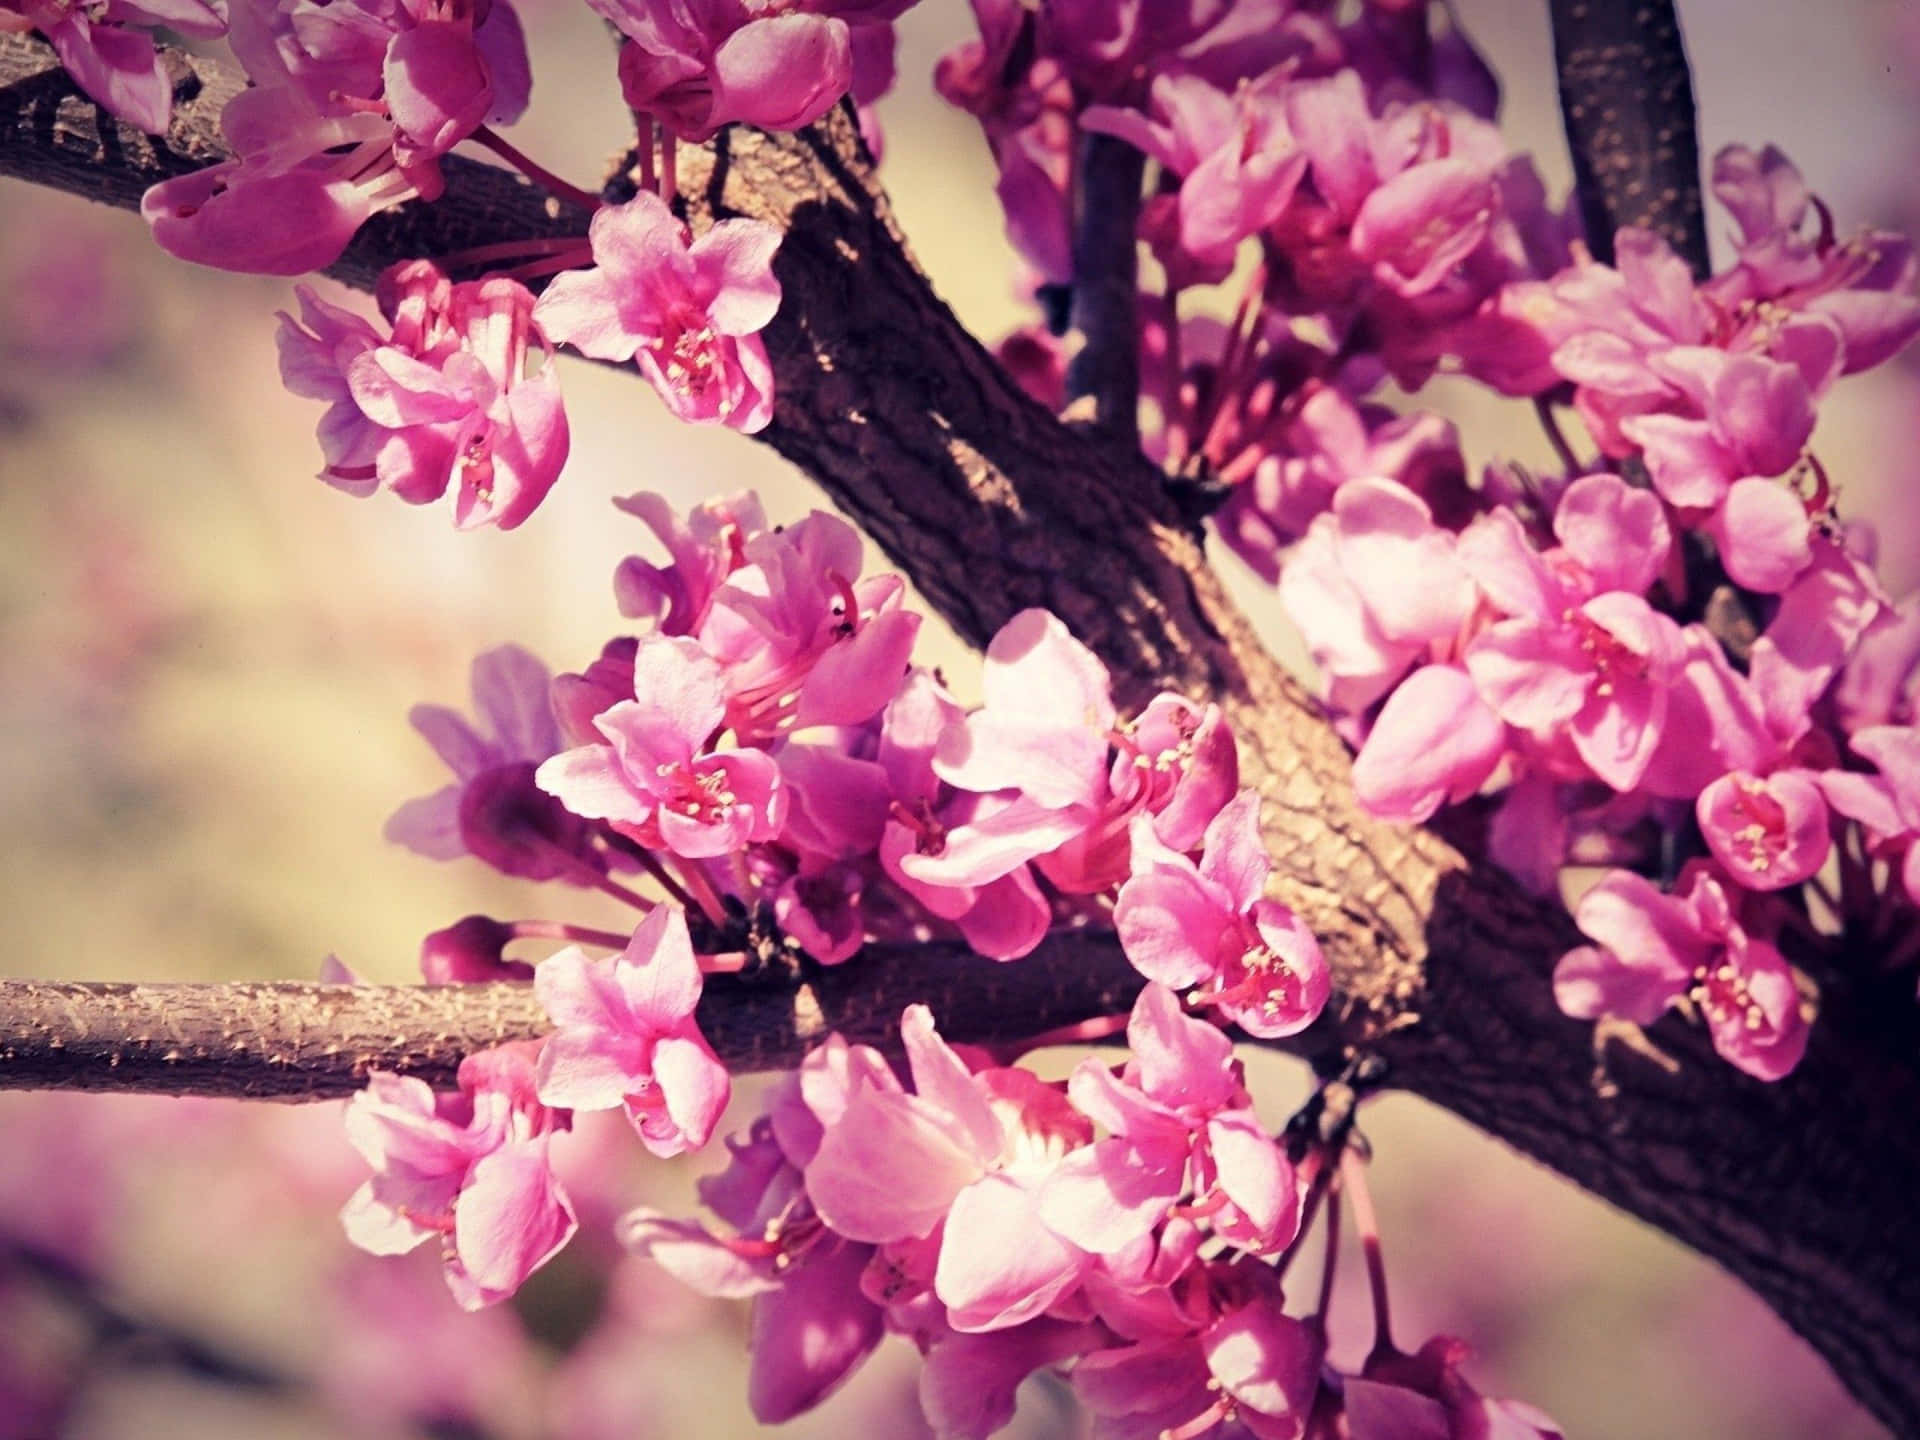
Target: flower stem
(557, 930)
(1353, 1176)
(488, 138)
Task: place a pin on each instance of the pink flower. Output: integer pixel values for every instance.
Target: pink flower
(493, 810)
(811, 1325)
(1770, 832)
(470, 952)
(1236, 157)
(655, 779)
(472, 1168)
(348, 115)
(1207, 925)
(625, 1035)
(695, 65)
(104, 49)
(801, 639)
(1373, 586)
(965, 1156)
(1655, 948)
(1583, 653)
(1435, 742)
(1178, 1116)
(449, 396)
(689, 311)
(702, 550)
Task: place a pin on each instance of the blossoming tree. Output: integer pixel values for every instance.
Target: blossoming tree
(1670, 663)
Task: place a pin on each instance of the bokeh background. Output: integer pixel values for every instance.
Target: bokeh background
(208, 658)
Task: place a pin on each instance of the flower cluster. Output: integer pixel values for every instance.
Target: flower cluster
(445, 399)
(764, 754)
(1645, 661)
(353, 103)
(1130, 1227)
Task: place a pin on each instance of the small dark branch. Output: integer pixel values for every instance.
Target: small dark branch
(1103, 378)
(286, 1041)
(1626, 97)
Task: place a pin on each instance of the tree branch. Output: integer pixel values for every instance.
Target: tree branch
(989, 504)
(1103, 377)
(288, 1041)
(1626, 99)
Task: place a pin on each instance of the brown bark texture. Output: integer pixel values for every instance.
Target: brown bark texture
(991, 504)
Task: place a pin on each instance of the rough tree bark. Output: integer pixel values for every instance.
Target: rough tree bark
(990, 504)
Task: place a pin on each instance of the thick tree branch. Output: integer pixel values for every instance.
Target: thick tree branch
(990, 504)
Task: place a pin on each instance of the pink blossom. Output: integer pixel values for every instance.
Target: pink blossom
(493, 810)
(655, 778)
(990, 893)
(625, 1035)
(1434, 742)
(1235, 156)
(448, 397)
(965, 1154)
(688, 311)
(1208, 926)
(472, 1168)
(1770, 832)
(800, 637)
(1374, 585)
(811, 1326)
(1177, 1116)
(105, 50)
(348, 115)
(1577, 656)
(1244, 1362)
(696, 65)
(702, 550)
(1654, 948)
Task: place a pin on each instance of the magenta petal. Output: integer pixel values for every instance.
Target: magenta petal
(1169, 925)
(119, 68)
(511, 1218)
(234, 219)
(941, 1078)
(1435, 741)
(807, 1336)
(581, 308)
(1106, 1196)
(1590, 982)
(437, 87)
(1267, 1361)
(695, 1086)
(739, 255)
(1531, 673)
(1618, 534)
(782, 72)
(1254, 1175)
(592, 785)
(1689, 466)
(999, 1265)
(887, 1170)
(1643, 926)
(1763, 535)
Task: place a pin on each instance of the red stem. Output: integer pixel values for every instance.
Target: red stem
(486, 137)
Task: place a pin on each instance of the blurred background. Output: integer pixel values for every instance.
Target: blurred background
(209, 656)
